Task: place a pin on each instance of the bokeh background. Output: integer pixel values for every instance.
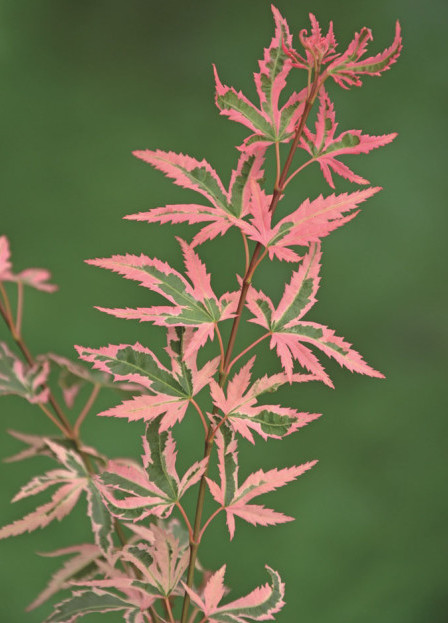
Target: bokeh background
(86, 82)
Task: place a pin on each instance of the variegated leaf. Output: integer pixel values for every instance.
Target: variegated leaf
(21, 379)
(193, 304)
(132, 493)
(325, 148)
(289, 333)
(311, 221)
(259, 605)
(238, 404)
(90, 601)
(235, 499)
(81, 566)
(227, 206)
(269, 123)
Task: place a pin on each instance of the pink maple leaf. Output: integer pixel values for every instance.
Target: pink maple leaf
(347, 68)
(187, 309)
(80, 564)
(21, 379)
(73, 480)
(235, 499)
(5, 259)
(289, 334)
(259, 605)
(227, 206)
(238, 404)
(325, 148)
(171, 391)
(311, 221)
(133, 493)
(269, 123)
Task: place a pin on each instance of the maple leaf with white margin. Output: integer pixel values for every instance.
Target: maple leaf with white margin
(21, 379)
(269, 123)
(234, 498)
(170, 390)
(346, 69)
(73, 480)
(194, 303)
(238, 404)
(259, 605)
(227, 208)
(325, 148)
(133, 493)
(311, 221)
(289, 333)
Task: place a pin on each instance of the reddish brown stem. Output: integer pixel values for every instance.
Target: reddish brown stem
(82, 416)
(278, 191)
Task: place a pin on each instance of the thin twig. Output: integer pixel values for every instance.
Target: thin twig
(278, 162)
(187, 521)
(278, 192)
(201, 415)
(6, 310)
(82, 416)
(19, 313)
(246, 350)
(292, 176)
(221, 346)
(194, 614)
(246, 252)
(55, 421)
(168, 609)
(209, 520)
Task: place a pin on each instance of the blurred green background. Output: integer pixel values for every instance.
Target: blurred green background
(85, 83)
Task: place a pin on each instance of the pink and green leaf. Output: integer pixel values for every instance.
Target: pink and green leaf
(325, 148)
(259, 605)
(348, 68)
(311, 221)
(238, 405)
(81, 566)
(88, 602)
(269, 123)
(21, 379)
(235, 499)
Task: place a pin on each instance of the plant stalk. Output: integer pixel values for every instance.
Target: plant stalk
(278, 191)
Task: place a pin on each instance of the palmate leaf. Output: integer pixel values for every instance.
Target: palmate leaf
(227, 206)
(82, 565)
(193, 304)
(289, 332)
(311, 221)
(269, 123)
(238, 404)
(20, 379)
(132, 493)
(97, 600)
(171, 391)
(162, 563)
(346, 69)
(325, 148)
(235, 499)
(259, 605)
(72, 481)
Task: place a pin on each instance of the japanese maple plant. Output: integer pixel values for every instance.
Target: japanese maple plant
(143, 558)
